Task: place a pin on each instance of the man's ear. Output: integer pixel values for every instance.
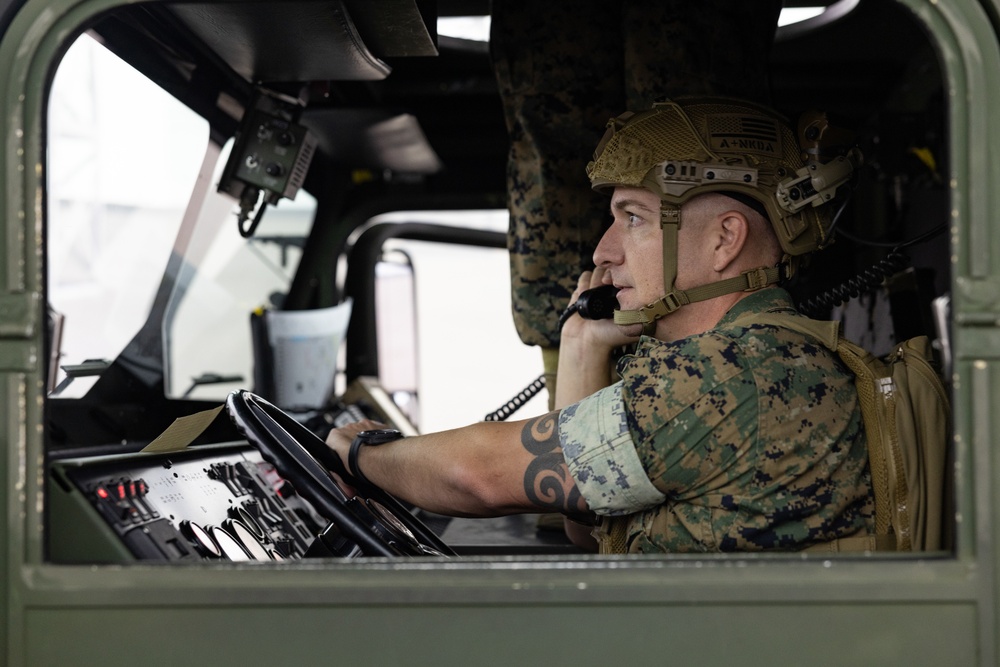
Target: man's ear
(731, 232)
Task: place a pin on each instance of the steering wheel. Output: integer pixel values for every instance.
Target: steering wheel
(374, 520)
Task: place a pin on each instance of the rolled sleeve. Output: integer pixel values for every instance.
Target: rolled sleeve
(602, 458)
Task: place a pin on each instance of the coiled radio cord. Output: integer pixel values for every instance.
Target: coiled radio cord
(869, 278)
(514, 404)
(855, 286)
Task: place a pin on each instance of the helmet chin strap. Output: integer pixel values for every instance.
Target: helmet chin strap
(748, 281)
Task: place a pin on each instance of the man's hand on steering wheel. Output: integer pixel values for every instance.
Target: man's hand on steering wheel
(340, 439)
(376, 522)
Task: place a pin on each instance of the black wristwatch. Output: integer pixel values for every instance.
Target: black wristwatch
(376, 436)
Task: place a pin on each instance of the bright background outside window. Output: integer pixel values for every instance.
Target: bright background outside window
(123, 158)
(469, 358)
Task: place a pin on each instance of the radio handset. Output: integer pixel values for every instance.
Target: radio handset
(598, 303)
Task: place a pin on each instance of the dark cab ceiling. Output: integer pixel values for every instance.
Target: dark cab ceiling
(384, 91)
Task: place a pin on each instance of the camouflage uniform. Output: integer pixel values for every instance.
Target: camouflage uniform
(563, 69)
(737, 439)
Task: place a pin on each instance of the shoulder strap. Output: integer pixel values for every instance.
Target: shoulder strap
(884, 457)
(826, 332)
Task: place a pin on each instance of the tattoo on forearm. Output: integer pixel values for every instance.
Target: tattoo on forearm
(547, 482)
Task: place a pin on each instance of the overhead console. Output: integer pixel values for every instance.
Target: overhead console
(342, 41)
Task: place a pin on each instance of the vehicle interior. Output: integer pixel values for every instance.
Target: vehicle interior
(302, 245)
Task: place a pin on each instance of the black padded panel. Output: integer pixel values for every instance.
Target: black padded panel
(253, 39)
(373, 138)
(394, 28)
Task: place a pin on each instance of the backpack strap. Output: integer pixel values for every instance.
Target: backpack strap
(884, 456)
(825, 331)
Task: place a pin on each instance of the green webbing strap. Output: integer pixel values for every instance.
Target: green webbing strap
(825, 331)
(748, 281)
(670, 223)
(612, 538)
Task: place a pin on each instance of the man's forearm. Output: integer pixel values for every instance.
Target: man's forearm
(486, 469)
(443, 472)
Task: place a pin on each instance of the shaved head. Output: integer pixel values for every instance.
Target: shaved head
(762, 247)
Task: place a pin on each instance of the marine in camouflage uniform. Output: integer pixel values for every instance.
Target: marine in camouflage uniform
(732, 435)
(742, 438)
(563, 69)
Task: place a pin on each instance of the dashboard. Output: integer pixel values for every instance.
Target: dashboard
(208, 502)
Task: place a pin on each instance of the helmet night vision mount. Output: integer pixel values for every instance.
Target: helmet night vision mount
(691, 146)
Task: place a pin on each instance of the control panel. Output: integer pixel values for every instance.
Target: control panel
(275, 154)
(213, 502)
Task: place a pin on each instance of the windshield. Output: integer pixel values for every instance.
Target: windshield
(123, 159)
(133, 214)
(207, 334)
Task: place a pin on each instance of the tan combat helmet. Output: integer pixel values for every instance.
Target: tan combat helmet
(691, 146)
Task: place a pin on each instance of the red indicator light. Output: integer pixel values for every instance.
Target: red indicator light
(121, 491)
(102, 493)
(131, 489)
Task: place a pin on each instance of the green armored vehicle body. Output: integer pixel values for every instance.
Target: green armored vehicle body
(230, 227)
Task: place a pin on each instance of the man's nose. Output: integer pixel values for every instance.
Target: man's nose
(608, 251)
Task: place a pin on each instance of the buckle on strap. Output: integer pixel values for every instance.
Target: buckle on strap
(756, 279)
(649, 313)
(669, 215)
(665, 305)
